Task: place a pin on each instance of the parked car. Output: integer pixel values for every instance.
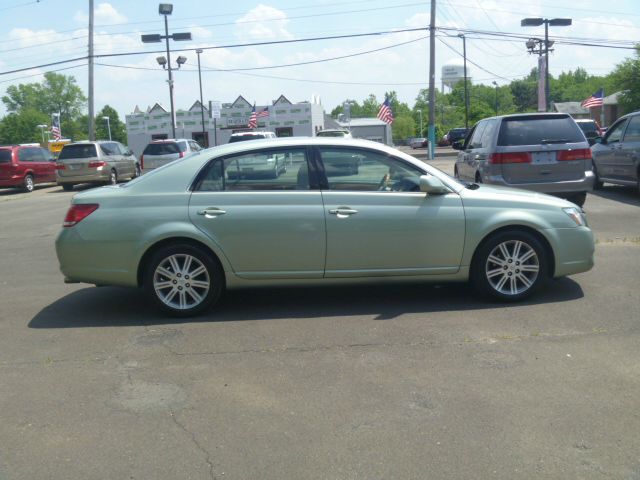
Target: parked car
(25, 166)
(455, 135)
(334, 133)
(243, 136)
(101, 162)
(590, 128)
(419, 142)
(161, 152)
(397, 220)
(616, 157)
(543, 152)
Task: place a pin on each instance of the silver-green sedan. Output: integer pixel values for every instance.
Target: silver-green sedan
(197, 226)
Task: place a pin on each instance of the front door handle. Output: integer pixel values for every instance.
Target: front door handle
(343, 212)
(211, 212)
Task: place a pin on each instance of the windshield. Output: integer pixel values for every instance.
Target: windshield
(538, 129)
(87, 150)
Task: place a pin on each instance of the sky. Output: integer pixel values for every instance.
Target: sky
(236, 61)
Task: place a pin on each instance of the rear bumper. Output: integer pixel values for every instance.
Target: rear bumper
(585, 184)
(94, 177)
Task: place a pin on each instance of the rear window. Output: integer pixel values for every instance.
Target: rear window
(331, 134)
(161, 149)
(242, 138)
(538, 130)
(5, 156)
(78, 151)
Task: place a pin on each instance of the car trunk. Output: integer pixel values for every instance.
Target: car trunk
(541, 149)
(76, 160)
(6, 165)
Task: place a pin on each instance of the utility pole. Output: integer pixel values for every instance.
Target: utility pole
(466, 91)
(92, 124)
(432, 80)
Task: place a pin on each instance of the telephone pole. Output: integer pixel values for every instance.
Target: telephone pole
(432, 80)
(92, 125)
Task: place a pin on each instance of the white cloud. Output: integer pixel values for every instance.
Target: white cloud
(105, 14)
(263, 23)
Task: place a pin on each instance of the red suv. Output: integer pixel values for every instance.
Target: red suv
(24, 166)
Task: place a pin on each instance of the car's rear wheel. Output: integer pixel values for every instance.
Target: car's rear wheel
(113, 178)
(183, 280)
(137, 172)
(28, 183)
(578, 198)
(509, 265)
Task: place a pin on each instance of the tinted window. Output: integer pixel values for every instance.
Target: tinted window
(537, 129)
(588, 127)
(487, 135)
(78, 151)
(363, 170)
(271, 169)
(5, 156)
(242, 138)
(476, 138)
(110, 148)
(161, 149)
(615, 133)
(30, 155)
(331, 134)
(632, 133)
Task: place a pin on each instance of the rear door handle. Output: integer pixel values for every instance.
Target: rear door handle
(343, 212)
(211, 212)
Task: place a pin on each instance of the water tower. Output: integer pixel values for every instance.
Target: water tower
(453, 72)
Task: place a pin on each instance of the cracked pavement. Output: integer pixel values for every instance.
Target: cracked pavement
(412, 381)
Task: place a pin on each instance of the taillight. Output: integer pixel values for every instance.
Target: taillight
(579, 154)
(142, 162)
(97, 163)
(512, 157)
(60, 166)
(78, 212)
(181, 155)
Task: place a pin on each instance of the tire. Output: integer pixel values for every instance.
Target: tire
(597, 183)
(137, 172)
(113, 178)
(455, 173)
(169, 283)
(67, 187)
(497, 268)
(578, 198)
(478, 177)
(28, 183)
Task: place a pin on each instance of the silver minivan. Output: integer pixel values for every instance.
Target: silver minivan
(101, 162)
(544, 152)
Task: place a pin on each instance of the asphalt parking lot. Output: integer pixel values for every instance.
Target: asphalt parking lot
(402, 382)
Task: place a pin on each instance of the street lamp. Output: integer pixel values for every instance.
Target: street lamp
(466, 94)
(420, 113)
(495, 84)
(166, 9)
(205, 139)
(536, 22)
(108, 126)
(42, 129)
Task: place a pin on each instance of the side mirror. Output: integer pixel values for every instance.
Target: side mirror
(458, 145)
(432, 185)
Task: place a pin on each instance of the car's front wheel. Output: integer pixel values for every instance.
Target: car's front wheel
(597, 183)
(509, 265)
(183, 280)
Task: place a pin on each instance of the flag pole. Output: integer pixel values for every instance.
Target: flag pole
(602, 110)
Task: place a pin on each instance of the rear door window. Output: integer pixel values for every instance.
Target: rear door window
(30, 155)
(614, 135)
(110, 148)
(538, 130)
(476, 139)
(164, 148)
(78, 151)
(632, 134)
(5, 156)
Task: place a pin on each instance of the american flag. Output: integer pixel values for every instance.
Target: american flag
(55, 126)
(385, 114)
(253, 119)
(595, 100)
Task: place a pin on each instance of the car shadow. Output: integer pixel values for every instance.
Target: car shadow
(628, 195)
(122, 307)
(77, 188)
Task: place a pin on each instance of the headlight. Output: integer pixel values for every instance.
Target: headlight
(577, 215)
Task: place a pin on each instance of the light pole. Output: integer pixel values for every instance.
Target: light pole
(42, 128)
(205, 138)
(166, 9)
(495, 84)
(466, 94)
(108, 126)
(420, 113)
(554, 22)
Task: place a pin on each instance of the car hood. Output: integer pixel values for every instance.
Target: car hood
(512, 196)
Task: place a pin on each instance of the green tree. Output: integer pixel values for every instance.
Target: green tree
(118, 128)
(626, 77)
(22, 127)
(403, 127)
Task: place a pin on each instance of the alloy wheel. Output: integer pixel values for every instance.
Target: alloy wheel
(181, 281)
(512, 267)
